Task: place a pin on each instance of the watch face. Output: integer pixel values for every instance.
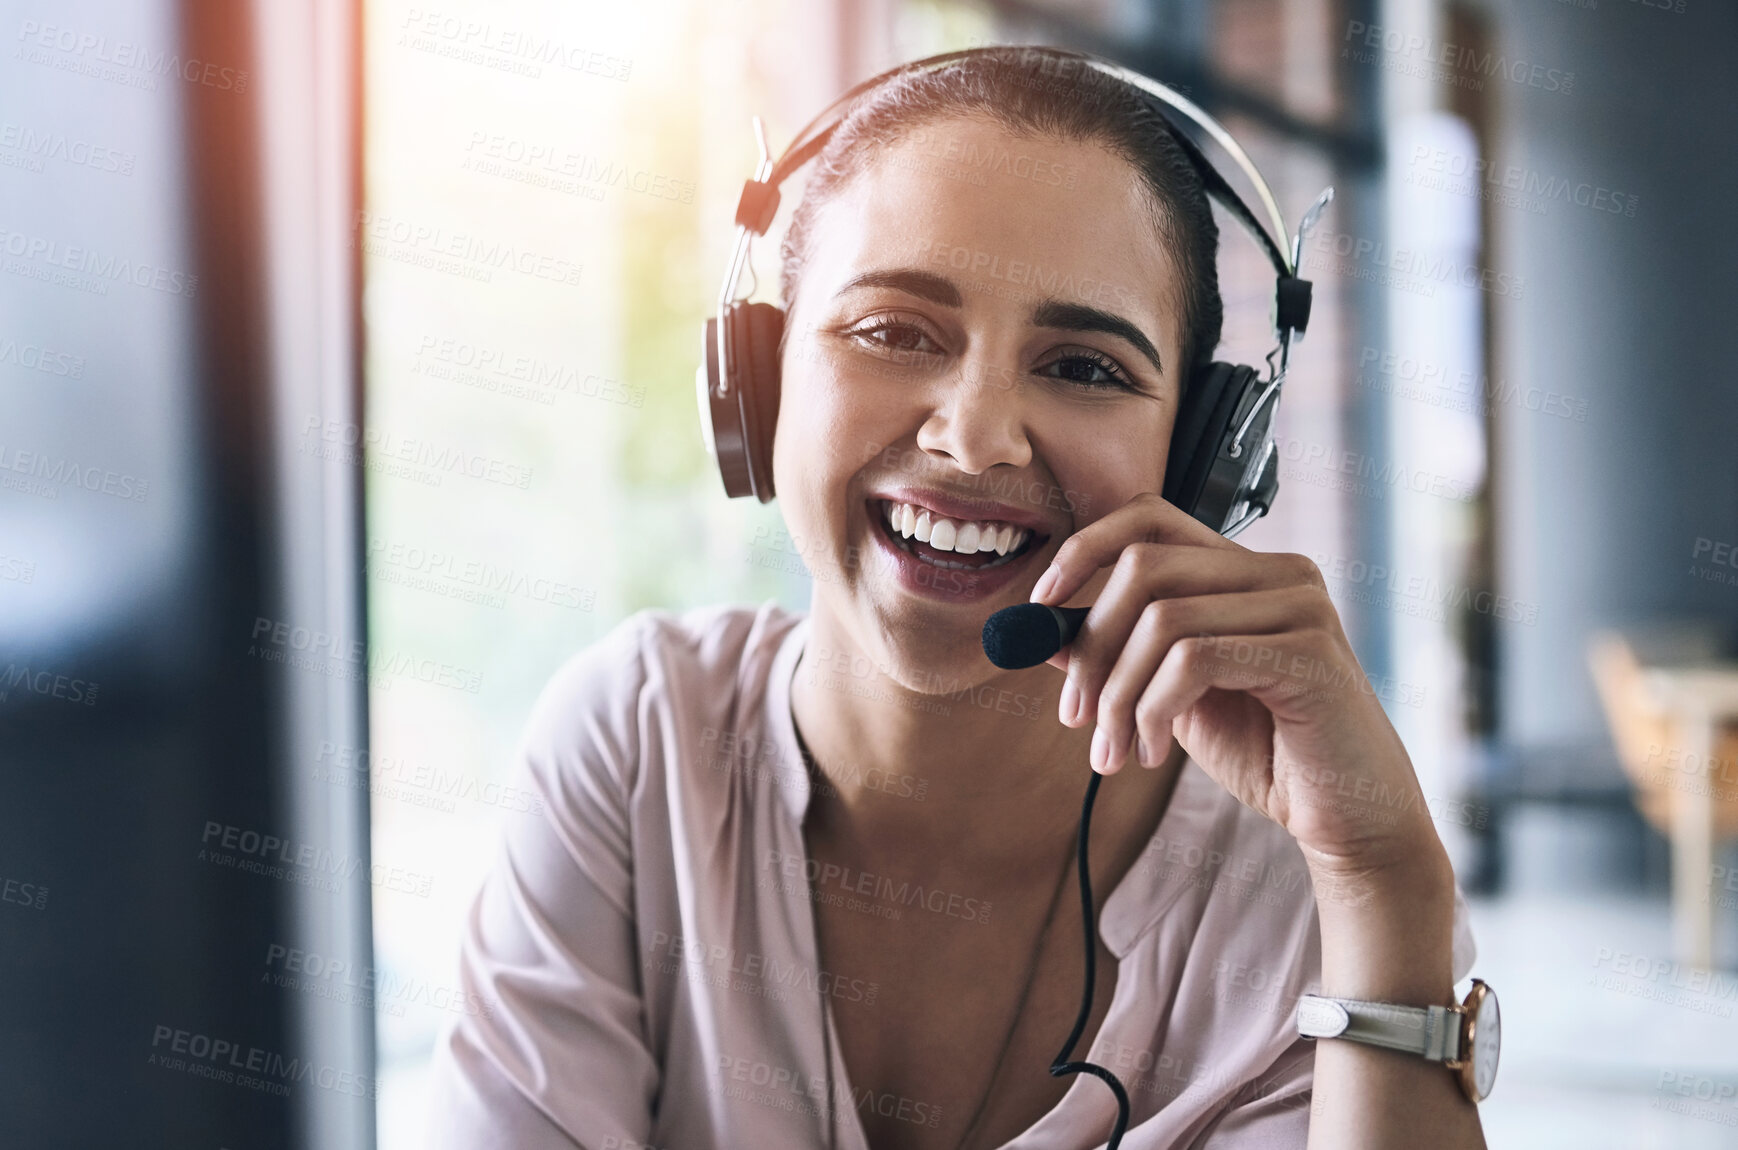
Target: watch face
(1486, 1043)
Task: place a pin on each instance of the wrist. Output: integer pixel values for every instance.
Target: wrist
(1403, 862)
(1388, 931)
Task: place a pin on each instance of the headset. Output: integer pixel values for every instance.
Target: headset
(1223, 467)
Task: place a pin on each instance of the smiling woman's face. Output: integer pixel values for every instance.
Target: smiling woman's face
(1002, 354)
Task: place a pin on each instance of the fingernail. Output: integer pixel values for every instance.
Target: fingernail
(1070, 702)
(1141, 753)
(1048, 581)
(1100, 749)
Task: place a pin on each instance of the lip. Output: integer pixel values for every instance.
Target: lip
(965, 509)
(944, 584)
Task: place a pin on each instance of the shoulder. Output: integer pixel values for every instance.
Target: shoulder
(1248, 884)
(1214, 854)
(596, 708)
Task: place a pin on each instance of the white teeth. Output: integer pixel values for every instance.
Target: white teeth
(911, 522)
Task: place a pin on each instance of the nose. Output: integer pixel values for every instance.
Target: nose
(979, 418)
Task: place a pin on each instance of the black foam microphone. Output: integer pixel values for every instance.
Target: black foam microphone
(1026, 634)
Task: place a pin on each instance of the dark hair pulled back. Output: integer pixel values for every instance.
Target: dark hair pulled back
(1033, 92)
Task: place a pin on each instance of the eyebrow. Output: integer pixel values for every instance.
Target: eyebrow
(1078, 317)
(923, 285)
(1051, 313)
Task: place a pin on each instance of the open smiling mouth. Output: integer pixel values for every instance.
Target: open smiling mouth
(953, 544)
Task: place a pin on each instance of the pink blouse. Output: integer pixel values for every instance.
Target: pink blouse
(648, 948)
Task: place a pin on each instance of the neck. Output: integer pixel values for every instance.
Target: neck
(977, 768)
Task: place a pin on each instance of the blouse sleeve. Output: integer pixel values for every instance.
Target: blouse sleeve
(558, 1056)
(1273, 1112)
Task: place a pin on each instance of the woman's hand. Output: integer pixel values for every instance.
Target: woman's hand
(1240, 656)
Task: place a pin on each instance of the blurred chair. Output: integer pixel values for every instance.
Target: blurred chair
(1671, 701)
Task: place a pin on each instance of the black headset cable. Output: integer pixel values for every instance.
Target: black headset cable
(1062, 1065)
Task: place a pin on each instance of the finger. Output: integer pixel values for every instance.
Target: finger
(1146, 518)
(1146, 572)
(1166, 568)
(1161, 625)
(1285, 672)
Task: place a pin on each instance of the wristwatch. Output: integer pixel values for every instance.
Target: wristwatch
(1465, 1038)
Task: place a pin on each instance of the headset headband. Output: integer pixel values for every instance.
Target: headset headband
(819, 130)
(760, 197)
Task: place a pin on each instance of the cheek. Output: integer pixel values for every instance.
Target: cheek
(1108, 466)
(828, 431)
(831, 423)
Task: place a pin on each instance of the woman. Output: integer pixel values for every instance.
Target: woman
(803, 878)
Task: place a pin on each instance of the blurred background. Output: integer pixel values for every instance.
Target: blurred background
(346, 389)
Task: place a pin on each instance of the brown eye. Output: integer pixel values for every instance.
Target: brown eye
(1091, 369)
(903, 339)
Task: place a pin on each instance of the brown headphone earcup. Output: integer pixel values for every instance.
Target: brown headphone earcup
(759, 326)
(721, 415)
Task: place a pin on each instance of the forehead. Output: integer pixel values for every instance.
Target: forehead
(1005, 216)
